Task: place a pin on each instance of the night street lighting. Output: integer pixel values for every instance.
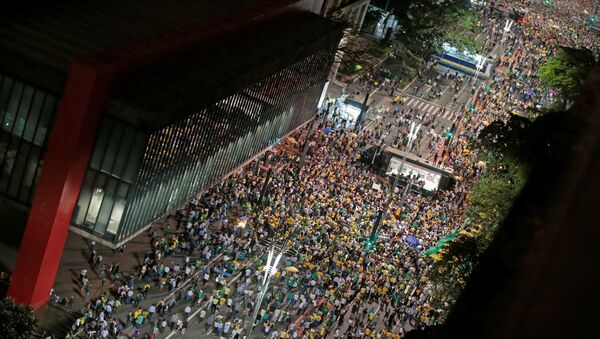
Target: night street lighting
(270, 269)
(479, 66)
(506, 30)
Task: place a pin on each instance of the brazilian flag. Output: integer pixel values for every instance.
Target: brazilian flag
(435, 250)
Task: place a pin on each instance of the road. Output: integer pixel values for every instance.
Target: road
(435, 100)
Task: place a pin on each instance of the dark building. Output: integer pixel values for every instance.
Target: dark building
(116, 112)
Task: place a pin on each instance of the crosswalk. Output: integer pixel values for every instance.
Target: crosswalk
(427, 108)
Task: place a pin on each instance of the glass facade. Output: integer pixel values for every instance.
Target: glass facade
(112, 172)
(116, 201)
(26, 115)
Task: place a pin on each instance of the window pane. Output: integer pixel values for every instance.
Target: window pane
(38, 172)
(19, 168)
(4, 140)
(124, 151)
(115, 216)
(47, 113)
(135, 159)
(96, 201)
(94, 208)
(29, 173)
(107, 205)
(13, 106)
(34, 114)
(23, 111)
(5, 90)
(122, 190)
(9, 162)
(101, 142)
(113, 147)
(85, 194)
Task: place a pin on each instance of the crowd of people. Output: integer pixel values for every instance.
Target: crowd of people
(323, 214)
(208, 260)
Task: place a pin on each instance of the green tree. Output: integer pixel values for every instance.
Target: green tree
(566, 71)
(462, 29)
(16, 321)
(507, 152)
(509, 141)
(372, 17)
(427, 24)
(490, 201)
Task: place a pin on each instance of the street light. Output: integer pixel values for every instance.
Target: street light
(479, 66)
(507, 27)
(270, 270)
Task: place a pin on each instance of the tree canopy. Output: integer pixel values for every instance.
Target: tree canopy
(427, 24)
(16, 321)
(566, 71)
(507, 152)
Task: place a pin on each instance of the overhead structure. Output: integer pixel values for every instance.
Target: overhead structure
(107, 125)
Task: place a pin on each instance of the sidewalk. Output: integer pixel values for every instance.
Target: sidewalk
(75, 257)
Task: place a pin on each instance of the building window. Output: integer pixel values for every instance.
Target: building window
(113, 168)
(26, 115)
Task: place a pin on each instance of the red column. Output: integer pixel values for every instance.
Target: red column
(65, 164)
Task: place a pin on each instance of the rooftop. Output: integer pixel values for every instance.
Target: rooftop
(230, 62)
(40, 39)
(200, 51)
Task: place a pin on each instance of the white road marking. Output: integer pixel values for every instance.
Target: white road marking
(462, 89)
(445, 89)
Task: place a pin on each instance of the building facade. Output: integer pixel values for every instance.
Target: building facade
(351, 11)
(109, 125)
(134, 178)
(26, 115)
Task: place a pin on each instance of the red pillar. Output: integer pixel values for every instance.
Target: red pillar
(65, 164)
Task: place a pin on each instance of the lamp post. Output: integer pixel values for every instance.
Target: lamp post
(506, 30)
(305, 147)
(270, 269)
(377, 152)
(479, 66)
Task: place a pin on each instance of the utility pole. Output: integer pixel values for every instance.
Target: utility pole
(362, 114)
(305, 148)
(382, 213)
(264, 188)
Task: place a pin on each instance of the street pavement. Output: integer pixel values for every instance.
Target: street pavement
(433, 100)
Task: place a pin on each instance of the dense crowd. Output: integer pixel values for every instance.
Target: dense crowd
(323, 214)
(331, 283)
